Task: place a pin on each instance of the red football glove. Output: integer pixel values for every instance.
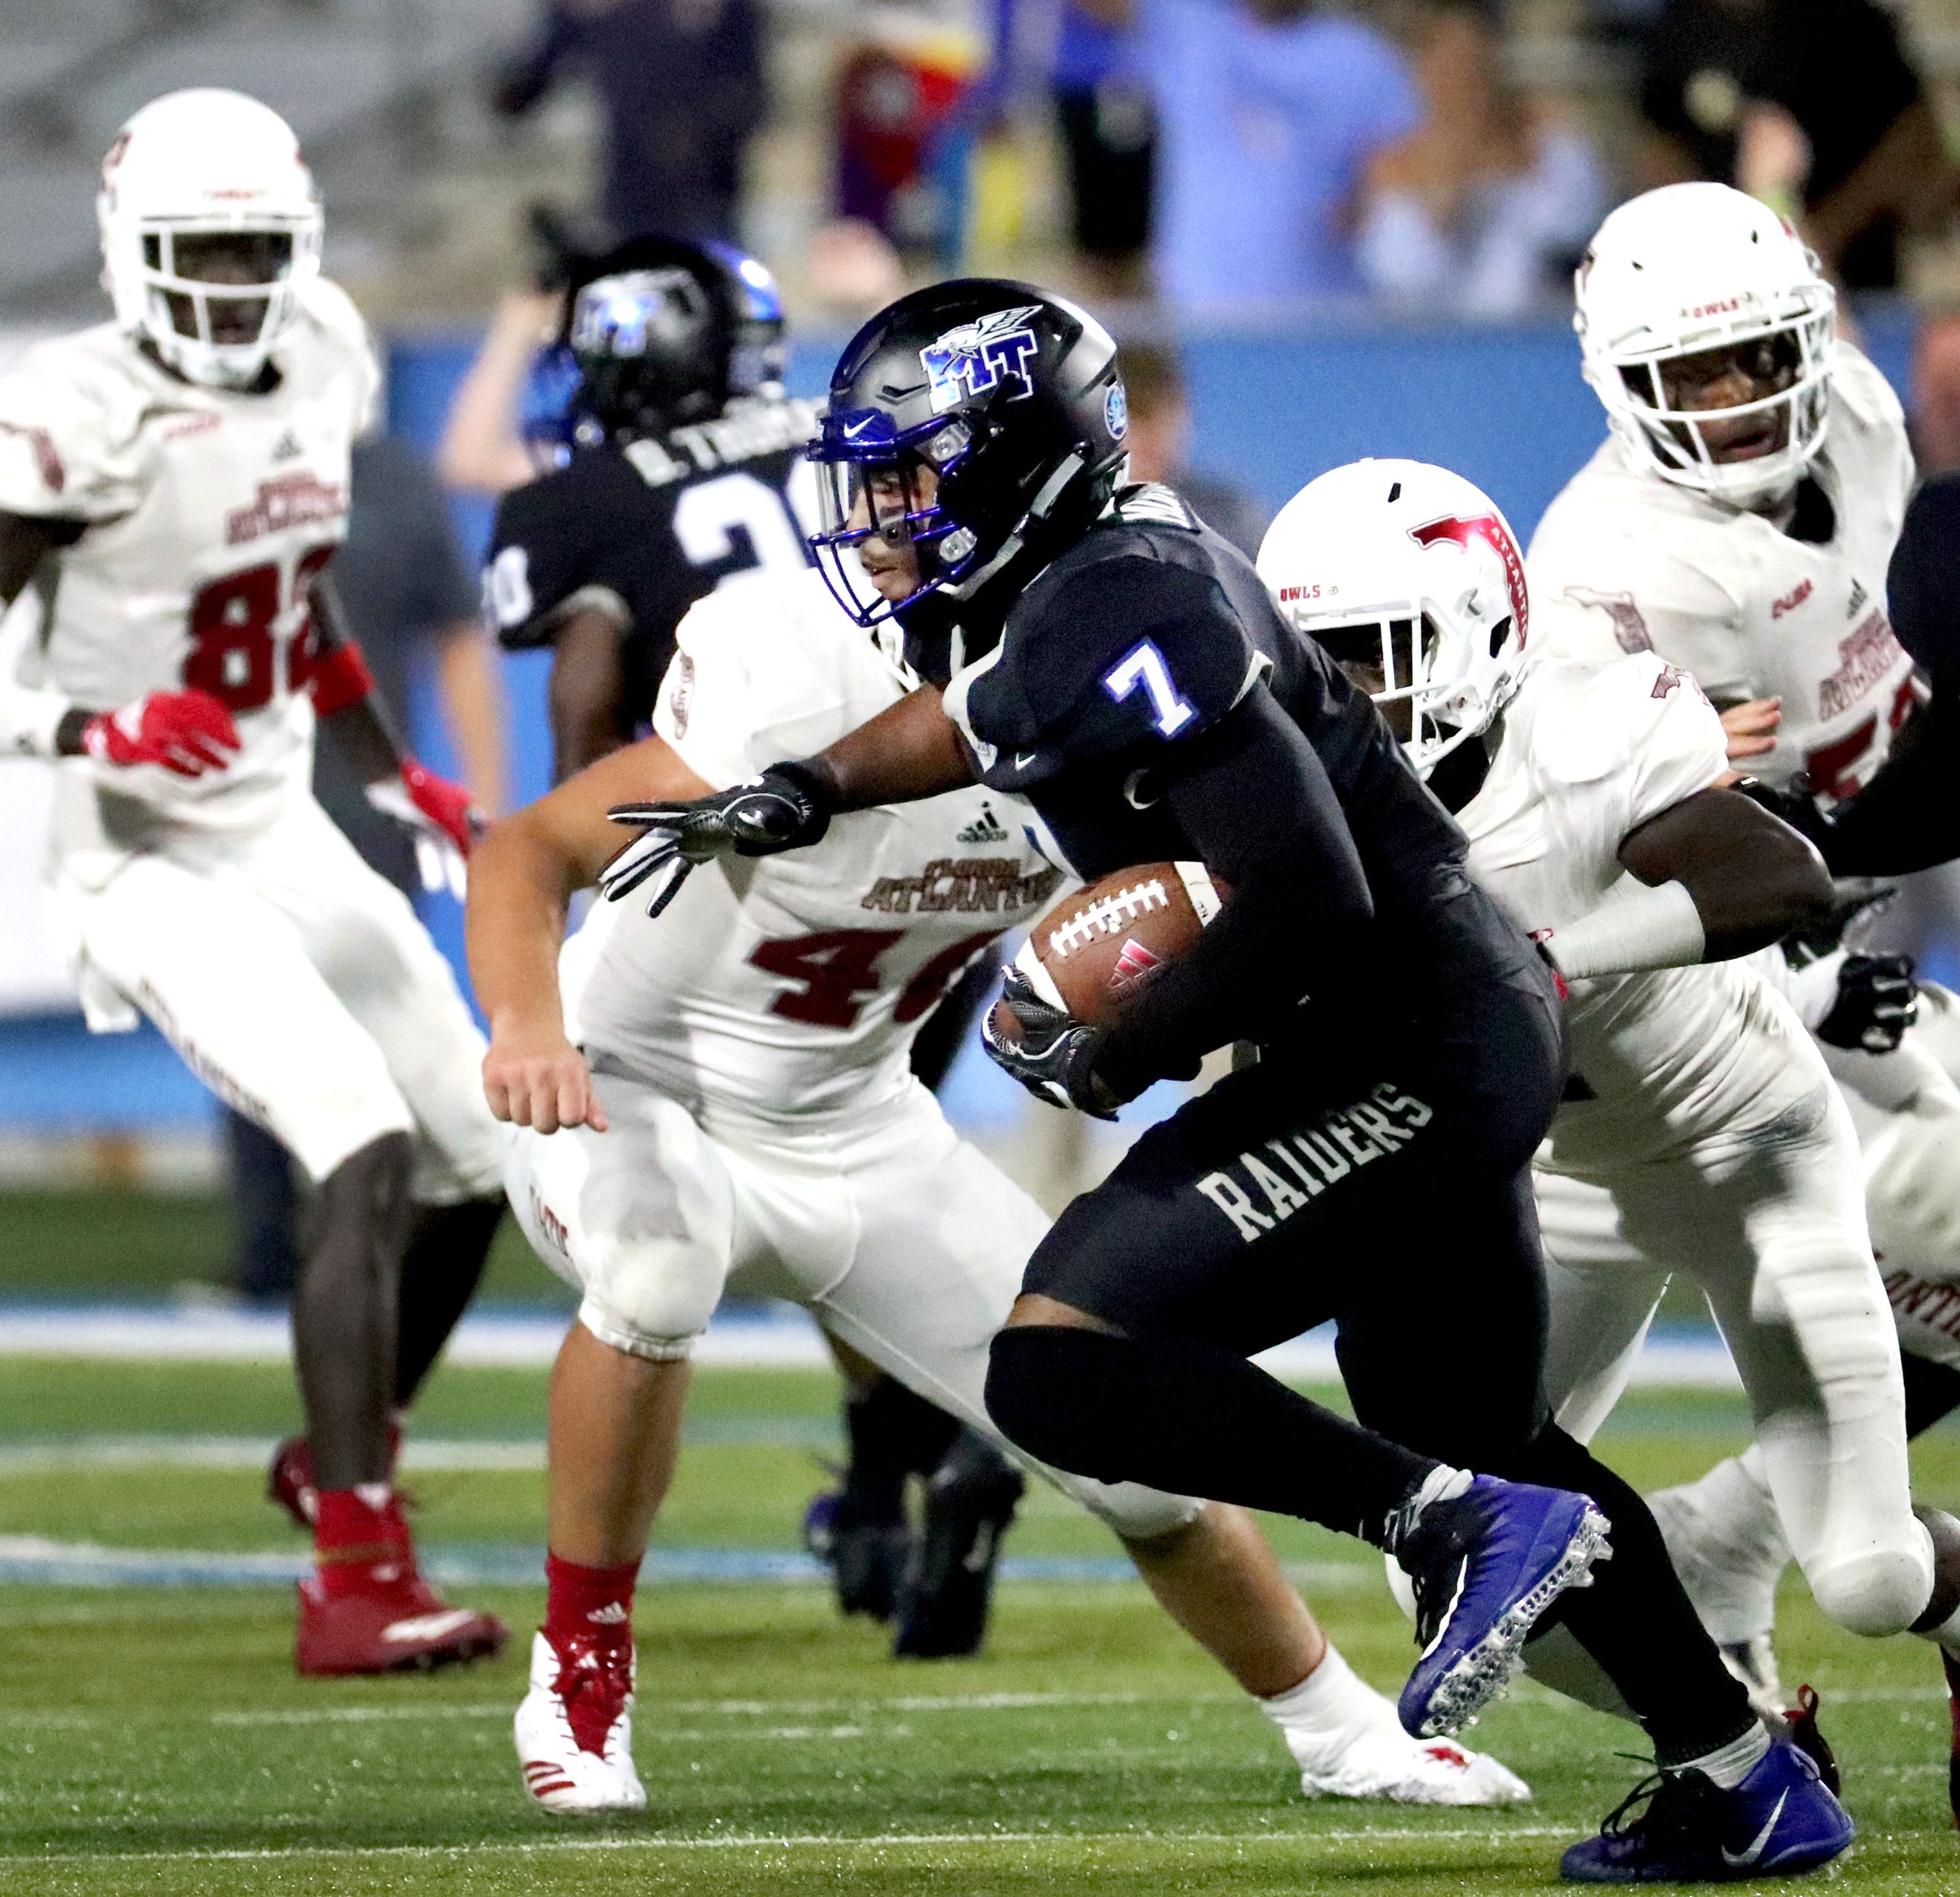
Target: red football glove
(445, 822)
(189, 733)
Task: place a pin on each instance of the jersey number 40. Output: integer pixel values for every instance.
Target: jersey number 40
(835, 971)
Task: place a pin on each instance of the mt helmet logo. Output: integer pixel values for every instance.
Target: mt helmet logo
(981, 355)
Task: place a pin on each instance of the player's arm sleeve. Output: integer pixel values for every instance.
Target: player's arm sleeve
(1907, 818)
(1259, 807)
(1924, 584)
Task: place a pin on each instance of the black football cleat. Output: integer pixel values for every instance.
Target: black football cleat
(867, 1560)
(970, 1502)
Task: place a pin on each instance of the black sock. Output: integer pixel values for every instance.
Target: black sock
(440, 1270)
(1636, 1619)
(892, 1434)
(1196, 1419)
(344, 1313)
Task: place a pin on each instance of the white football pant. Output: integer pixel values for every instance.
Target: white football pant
(297, 984)
(903, 1241)
(1769, 1221)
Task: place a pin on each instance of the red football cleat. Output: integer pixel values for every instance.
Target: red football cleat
(289, 1481)
(389, 1620)
(1802, 1722)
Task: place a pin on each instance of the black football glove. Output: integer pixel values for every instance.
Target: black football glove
(1852, 898)
(1053, 1055)
(1878, 1000)
(1792, 801)
(788, 807)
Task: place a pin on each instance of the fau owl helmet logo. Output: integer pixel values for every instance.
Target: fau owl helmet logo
(1458, 531)
(981, 355)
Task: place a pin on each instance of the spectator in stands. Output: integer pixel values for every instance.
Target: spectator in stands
(1269, 113)
(410, 599)
(684, 90)
(1091, 67)
(1486, 208)
(1160, 440)
(1813, 105)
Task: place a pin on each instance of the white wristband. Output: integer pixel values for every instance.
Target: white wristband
(1656, 928)
(29, 720)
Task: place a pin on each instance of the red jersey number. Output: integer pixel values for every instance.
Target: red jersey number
(232, 654)
(1832, 768)
(836, 971)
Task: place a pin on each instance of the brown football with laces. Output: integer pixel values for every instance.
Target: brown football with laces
(1093, 953)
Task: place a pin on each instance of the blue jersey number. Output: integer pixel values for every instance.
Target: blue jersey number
(1144, 664)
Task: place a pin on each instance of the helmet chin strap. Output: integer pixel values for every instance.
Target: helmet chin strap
(1051, 491)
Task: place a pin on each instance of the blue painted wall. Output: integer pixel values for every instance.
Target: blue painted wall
(1272, 408)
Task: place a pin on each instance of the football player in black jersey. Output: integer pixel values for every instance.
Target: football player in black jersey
(684, 467)
(1094, 650)
(682, 453)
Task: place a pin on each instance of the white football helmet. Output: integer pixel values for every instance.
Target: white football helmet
(1696, 267)
(1410, 568)
(210, 231)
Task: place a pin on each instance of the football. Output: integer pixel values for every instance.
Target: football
(1094, 953)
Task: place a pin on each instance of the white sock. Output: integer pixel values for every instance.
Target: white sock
(1728, 1766)
(1332, 1698)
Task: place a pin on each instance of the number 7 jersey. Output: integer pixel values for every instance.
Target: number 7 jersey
(204, 515)
(1624, 561)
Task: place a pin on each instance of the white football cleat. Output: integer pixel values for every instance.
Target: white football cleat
(575, 1729)
(1348, 1743)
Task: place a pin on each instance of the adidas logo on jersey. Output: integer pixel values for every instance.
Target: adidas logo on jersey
(1858, 596)
(984, 828)
(287, 447)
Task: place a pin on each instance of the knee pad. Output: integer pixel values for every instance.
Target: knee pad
(1043, 1392)
(1881, 1592)
(1134, 1513)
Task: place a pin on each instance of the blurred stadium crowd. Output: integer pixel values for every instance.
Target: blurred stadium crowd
(1320, 229)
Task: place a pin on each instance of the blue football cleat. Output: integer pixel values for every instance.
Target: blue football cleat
(1780, 1820)
(1484, 1565)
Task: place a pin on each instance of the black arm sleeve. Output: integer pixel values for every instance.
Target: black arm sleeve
(1907, 818)
(1258, 806)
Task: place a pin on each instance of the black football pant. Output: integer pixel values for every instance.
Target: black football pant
(1387, 1191)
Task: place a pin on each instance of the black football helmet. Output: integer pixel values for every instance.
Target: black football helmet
(976, 420)
(665, 332)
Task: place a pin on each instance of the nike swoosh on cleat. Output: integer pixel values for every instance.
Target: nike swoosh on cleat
(1735, 1860)
(429, 1626)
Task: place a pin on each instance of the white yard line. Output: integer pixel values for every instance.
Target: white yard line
(808, 1841)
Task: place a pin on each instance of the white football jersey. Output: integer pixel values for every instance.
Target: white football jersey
(1664, 1057)
(775, 988)
(208, 512)
(1625, 561)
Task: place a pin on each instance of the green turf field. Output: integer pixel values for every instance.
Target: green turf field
(155, 1740)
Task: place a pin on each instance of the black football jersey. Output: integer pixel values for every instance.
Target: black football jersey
(649, 528)
(1122, 656)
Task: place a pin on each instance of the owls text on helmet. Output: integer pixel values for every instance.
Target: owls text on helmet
(1695, 284)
